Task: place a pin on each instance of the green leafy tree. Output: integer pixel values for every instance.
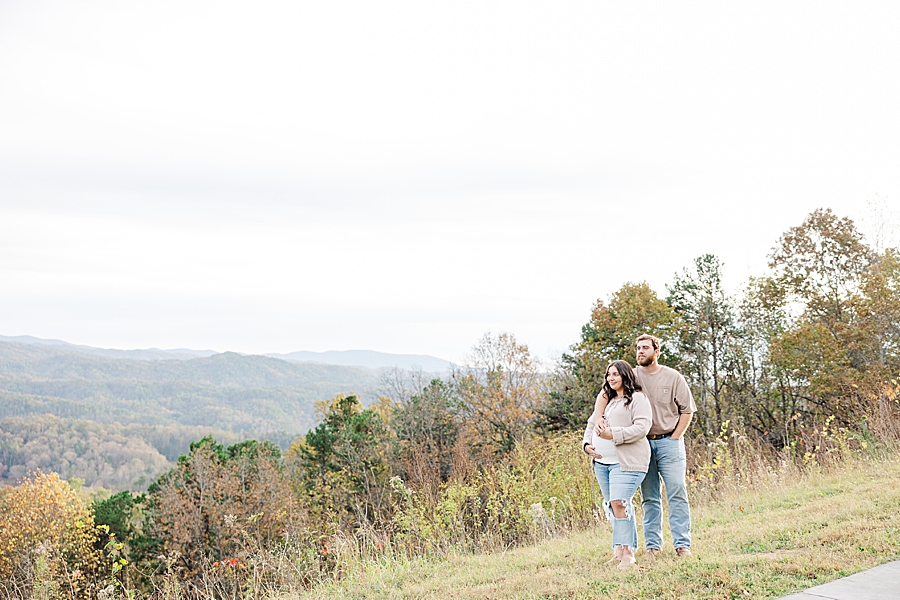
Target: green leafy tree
(341, 467)
(117, 513)
(707, 339)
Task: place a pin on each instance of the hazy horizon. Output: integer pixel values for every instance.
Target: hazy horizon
(337, 357)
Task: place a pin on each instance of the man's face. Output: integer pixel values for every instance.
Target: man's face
(646, 355)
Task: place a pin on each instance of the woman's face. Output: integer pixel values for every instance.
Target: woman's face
(614, 379)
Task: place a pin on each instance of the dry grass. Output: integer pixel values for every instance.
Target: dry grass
(797, 531)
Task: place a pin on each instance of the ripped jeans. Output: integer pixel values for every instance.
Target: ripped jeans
(616, 484)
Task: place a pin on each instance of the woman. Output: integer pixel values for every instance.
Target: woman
(617, 444)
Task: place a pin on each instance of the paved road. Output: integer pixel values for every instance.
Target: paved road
(880, 583)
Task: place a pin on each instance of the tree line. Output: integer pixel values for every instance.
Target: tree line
(818, 336)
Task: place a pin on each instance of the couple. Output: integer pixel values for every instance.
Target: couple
(634, 439)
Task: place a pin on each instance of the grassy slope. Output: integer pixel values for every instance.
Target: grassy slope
(762, 544)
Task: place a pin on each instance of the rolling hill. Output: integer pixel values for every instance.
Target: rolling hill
(58, 404)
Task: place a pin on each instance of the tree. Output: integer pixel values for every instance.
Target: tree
(427, 428)
(567, 406)
(341, 467)
(609, 335)
(47, 537)
(216, 501)
(707, 335)
(765, 397)
(822, 265)
(499, 389)
(877, 307)
(821, 262)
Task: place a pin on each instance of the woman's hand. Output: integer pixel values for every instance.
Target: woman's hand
(589, 450)
(601, 424)
(603, 430)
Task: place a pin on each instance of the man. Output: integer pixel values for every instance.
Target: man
(673, 407)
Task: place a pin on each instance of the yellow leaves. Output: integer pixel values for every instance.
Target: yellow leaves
(43, 520)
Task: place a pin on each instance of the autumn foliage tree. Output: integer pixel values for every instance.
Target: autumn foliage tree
(47, 537)
(427, 425)
(500, 393)
(822, 265)
(877, 307)
(609, 335)
(219, 503)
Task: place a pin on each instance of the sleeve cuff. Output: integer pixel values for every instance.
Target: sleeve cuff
(618, 436)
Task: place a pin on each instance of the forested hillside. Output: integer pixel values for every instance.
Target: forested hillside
(143, 413)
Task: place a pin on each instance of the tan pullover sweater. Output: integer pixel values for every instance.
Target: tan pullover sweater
(629, 426)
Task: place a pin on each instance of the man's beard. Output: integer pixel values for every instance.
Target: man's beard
(645, 362)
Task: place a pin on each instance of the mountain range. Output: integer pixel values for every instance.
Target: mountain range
(350, 358)
(118, 418)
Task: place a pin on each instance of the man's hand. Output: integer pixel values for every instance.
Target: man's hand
(591, 452)
(683, 422)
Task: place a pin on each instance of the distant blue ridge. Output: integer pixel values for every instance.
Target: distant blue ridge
(351, 358)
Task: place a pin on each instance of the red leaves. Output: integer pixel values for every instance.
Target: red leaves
(231, 563)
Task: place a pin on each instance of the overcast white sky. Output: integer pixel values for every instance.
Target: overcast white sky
(405, 176)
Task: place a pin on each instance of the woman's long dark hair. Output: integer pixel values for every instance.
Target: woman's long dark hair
(629, 381)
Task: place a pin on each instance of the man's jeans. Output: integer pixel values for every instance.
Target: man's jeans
(667, 460)
(616, 484)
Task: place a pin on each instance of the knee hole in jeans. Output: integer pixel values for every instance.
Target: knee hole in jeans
(619, 509)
